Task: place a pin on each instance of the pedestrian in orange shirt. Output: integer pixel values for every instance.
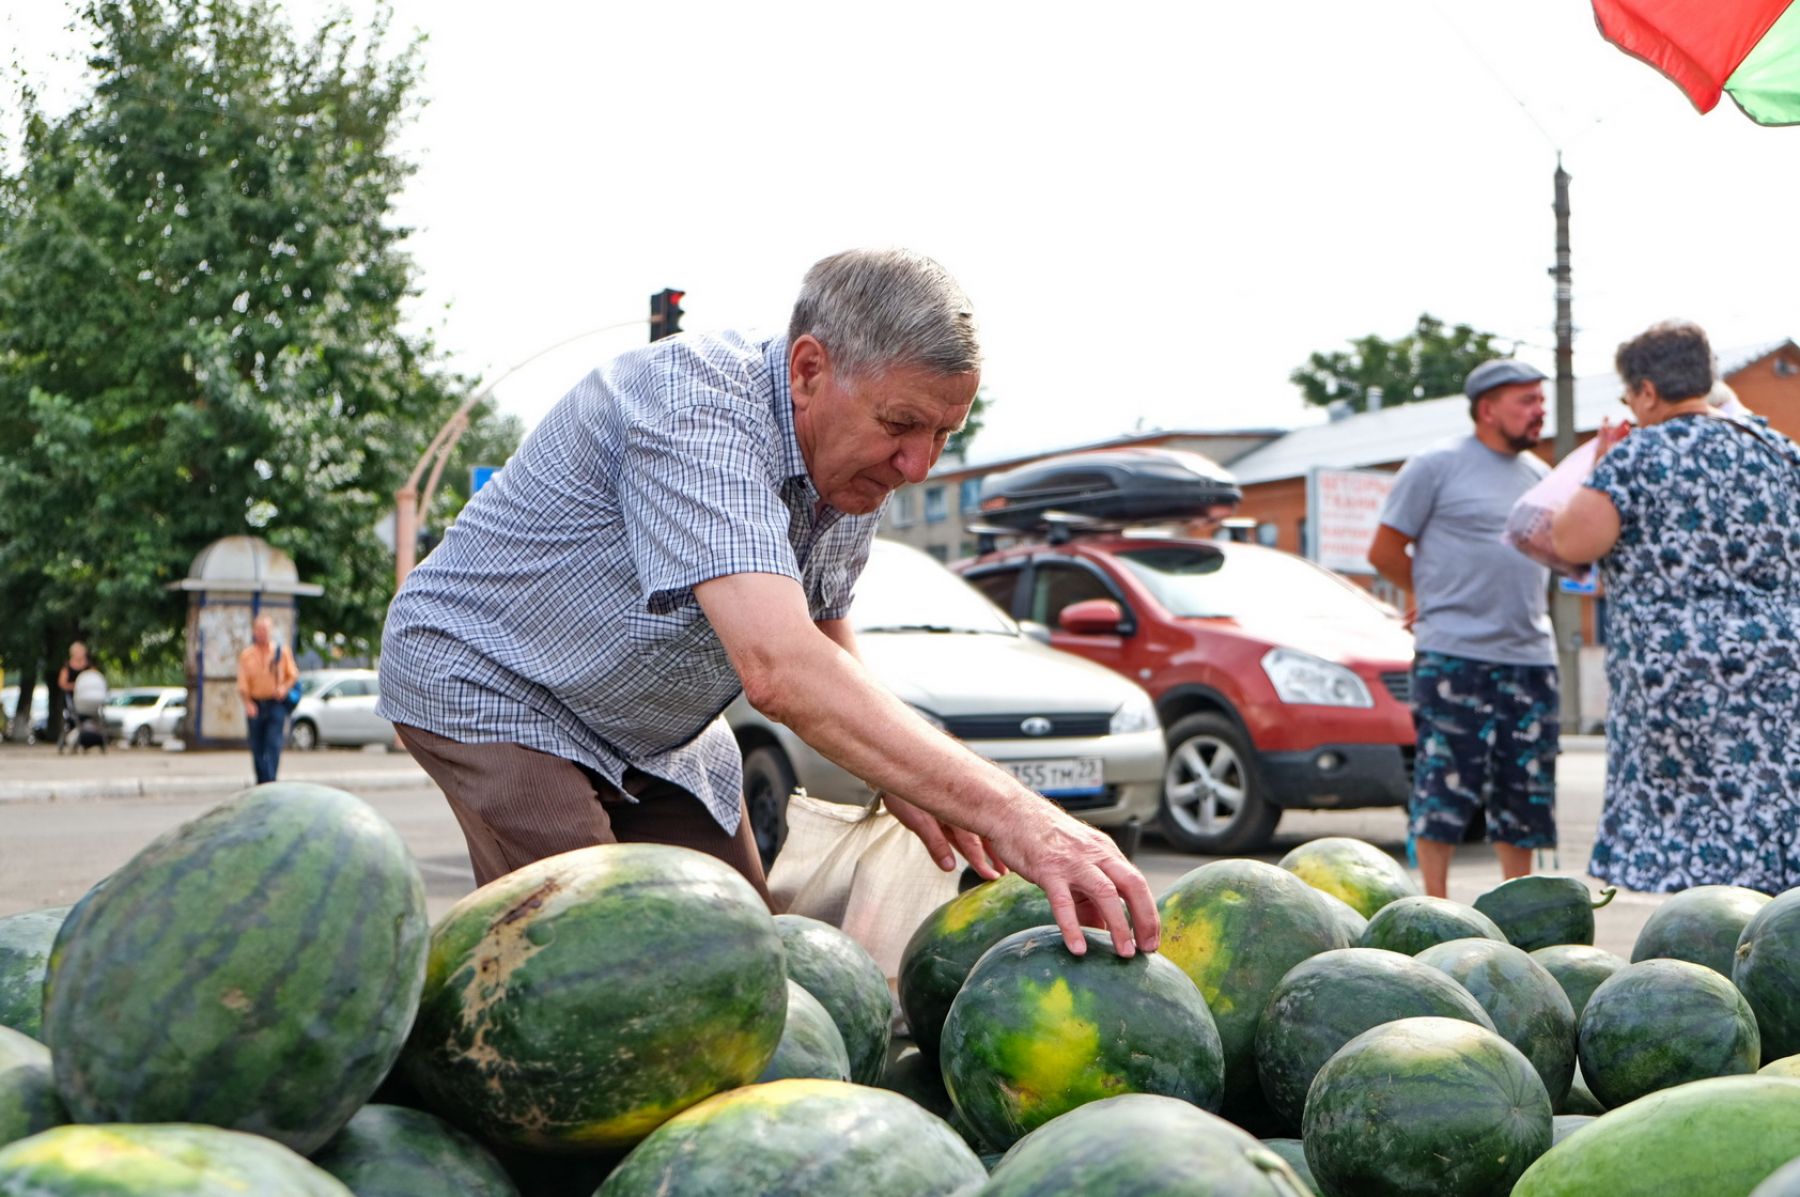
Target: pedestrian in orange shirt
(266, 676)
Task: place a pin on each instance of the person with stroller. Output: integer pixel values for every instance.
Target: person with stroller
(266, 675)
(83, 691)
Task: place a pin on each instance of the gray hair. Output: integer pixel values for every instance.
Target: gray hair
(875, 308)
(1674, 355)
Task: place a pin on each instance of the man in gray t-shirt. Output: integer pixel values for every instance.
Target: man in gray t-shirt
(1484, 676)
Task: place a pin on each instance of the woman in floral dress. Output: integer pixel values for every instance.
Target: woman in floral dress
(1695, 521)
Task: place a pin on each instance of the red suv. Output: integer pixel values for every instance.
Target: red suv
(1279, 684)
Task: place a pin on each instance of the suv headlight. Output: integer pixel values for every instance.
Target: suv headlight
(1303, 678)
(1138, 714)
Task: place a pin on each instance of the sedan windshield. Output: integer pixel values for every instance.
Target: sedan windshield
(1209, 582)
(902, 590)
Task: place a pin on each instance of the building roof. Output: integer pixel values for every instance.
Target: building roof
(1397, 433)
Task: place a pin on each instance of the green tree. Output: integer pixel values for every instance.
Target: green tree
(200, 290)
(1427, 363)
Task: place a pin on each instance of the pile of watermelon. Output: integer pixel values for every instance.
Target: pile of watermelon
(257, 1004)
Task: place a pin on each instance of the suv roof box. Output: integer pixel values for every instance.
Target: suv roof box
(1110, 486)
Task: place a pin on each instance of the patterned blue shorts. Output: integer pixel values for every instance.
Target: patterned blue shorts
(1487, 738)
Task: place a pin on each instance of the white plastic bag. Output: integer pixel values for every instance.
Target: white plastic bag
(859, 869)
(1528, 527)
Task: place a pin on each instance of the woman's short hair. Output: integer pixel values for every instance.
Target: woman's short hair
(1674, 355)
(876, 308)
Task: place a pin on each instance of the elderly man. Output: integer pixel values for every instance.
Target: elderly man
(690, 521)
(1484, 672)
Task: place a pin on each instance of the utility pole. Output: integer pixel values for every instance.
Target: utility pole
(1565, 608)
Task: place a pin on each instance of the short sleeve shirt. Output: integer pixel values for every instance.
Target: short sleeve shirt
(1477, 597)
(559, 613)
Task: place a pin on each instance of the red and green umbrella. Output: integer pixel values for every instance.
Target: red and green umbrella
(1749, 48)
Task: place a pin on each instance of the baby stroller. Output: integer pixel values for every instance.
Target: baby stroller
(83, 728)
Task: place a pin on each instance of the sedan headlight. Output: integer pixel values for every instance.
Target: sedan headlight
(1303, 678)
(1138, 714)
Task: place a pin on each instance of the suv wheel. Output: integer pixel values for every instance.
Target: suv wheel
(768, 780)
(142, 736)
(305, 735)
(1213, 801)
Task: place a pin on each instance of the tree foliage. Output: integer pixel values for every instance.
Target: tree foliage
(1429, 362)
(200, 302)
(959, 441)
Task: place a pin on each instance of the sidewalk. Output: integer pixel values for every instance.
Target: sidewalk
(38, 774)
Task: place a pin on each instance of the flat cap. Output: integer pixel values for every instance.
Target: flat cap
(1498, 373)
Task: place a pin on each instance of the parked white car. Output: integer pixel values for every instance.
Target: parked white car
(144, 715)
(1076, 732)
(38, 717)
(337, 706)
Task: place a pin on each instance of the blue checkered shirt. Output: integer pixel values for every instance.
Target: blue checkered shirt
(559, 611)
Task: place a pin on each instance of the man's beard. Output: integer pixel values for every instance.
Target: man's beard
(1519, 444)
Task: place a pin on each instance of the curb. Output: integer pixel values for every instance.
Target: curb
(89, 789)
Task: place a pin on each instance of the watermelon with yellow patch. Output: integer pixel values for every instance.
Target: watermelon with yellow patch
(1235, 927)
(1355, 872)
(952, 938)
(799, 1138)
(123, 1159)
(1038, 1031)
(577, 1004)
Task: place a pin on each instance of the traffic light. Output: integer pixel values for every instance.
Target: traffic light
(665, 313)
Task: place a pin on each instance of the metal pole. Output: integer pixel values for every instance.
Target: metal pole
(1565, 611)
(407, 505)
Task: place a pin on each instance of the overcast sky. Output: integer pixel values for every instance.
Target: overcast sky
(1159, 209)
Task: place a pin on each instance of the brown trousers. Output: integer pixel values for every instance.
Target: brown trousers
(517, 805)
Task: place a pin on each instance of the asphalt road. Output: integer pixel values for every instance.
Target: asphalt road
(51, 852)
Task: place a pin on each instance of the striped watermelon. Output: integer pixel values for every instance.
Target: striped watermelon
(1712, 1138)
(1529, 1009)
(1579, 969)
(952, 938)
(255, 969)
(28, 1101)
(25, 943)
(1767, 971)
(810, 1043)
(391, 1151)
(1426, 1107)
(1662, 1023)
(1410, 925)
(1236, 927)
(840, 972)
(1358, 873)
(799, 1138)
(1701, 925)
(131, 1160)
(1325, 1002)
(580, 1002)
(1141, 1144)
(1037, 1031)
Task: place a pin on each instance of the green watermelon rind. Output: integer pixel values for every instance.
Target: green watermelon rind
(1541, 911)
(1661, 1023)
(1767, 972)
(1326, 1001)
(1382, 1109)
(1356, 873)
(1141, 1143)
(850, 985)
(1037, 1031)
(1711, 1138)
(579, 1002)
(255, 969)
(1702, 925)
(937, 959)
(28, 1100)
(26, 940)
(135, 1160)
(392, 1151)
(1412, 924)
(1528, 1006)
(811, 1045)
(799, 1137)
(1579, 969)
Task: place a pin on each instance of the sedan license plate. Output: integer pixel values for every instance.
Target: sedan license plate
(1066, 778)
